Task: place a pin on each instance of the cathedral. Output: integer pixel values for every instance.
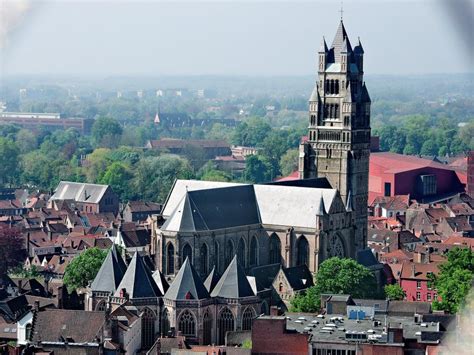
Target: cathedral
(222, 250)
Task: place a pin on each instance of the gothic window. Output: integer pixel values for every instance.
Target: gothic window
(204, 261)
(170, 259)
(336, 111)
(165, 322)
(187, 324)
(241, 252)
(253, 251)
(326, 87)
(275, 249)
(336, 248)
(313, 119)
(229, 252)
(207, 327)
(302, 249)
(187, 253)
(28, 331)
(148, 328)
(326, 110)
(337, 87)
(101, 306)
(247, 318)
(225, 324)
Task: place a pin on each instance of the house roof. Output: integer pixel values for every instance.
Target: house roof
(408, 308)
(265, 274)
(53, 325)
(299, 277)
(233, 283)
(138, 280)
(142, 206)
(136, 237)
(187, 285)
(110, 273)
(81, 192)
(418, 271)
(460, 241)
(397, 202)
(170, 143)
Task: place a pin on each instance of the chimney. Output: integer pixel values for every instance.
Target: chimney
(418, 257)
(412, 270)
(36, 306)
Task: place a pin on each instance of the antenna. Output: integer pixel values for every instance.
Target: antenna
(342, 9)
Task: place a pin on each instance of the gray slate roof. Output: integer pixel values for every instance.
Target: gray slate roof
(160, 281)
(299, 277)
(187, 285)
(110, 273)
(138, 280)
(80, 192)
(211, 280)
(338, 42)
(233, 283)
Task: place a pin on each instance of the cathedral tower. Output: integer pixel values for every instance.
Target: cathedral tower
(338, 144)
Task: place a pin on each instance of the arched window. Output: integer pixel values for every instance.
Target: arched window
(207, 327)
(280, 287)
(336, 111)
(253, 251)
(148, 328)
(241, 252)
(170, 259)
(187, 253)
(101, 306)
(204, 261)
(247, 318)
(165, 322)
(275, 249)
(337, 87)
(302, 249)
(187, 324)
(229, 252)
(225, 324)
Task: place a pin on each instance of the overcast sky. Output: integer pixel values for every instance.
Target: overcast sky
(229, 37)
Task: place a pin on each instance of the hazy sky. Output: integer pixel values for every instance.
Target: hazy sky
(229, 37)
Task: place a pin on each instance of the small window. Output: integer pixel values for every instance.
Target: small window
(418, 296)
(387, 189)
(418, 284)
(428, 296)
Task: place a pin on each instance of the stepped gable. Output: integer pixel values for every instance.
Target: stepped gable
(110, 273)
(211, 280)
(138, 281)
(187, 285)
(160, 281)
(233, 283)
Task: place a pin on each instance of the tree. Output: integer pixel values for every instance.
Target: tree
(83, 268)
(12, 248)
(9, 163)
(454, 280)
(118, 176)
(339, 276)
(289, 162)
(106, 132)
(394, 292)
(257, 169)
(251, 132)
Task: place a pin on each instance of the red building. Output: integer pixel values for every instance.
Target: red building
(393, 174)
(415, 281)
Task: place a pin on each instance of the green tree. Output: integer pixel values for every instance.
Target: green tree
(339, 276)
(454, 280)
(9, 163)
(26, 141)
(118, 176)
(83, 268)
(106, 132)
(394, 292)
(257, 169)
(251, 132)
(289, 162)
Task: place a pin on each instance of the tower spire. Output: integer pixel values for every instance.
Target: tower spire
(342, 9)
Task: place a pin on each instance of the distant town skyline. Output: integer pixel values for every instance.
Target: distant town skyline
(227, 38)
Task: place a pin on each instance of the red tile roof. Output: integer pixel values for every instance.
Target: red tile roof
(418, 271)
(394, 163)
(295, 175)
(460, 241)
